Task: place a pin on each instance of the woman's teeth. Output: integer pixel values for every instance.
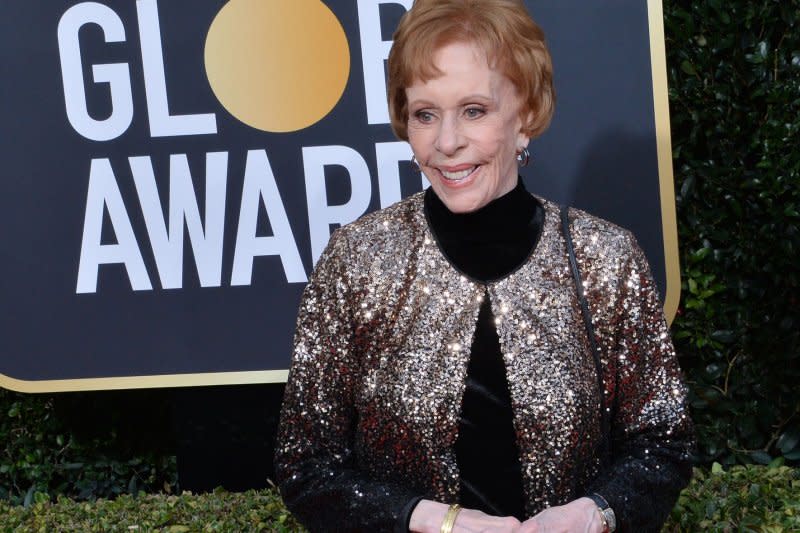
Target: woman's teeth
(456, 176)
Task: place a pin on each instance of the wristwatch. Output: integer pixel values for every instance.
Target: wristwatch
(606, 513)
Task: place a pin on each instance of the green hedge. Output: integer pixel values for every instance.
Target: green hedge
(743, 498)
(220, 511)
(39, 452)
(734, 77)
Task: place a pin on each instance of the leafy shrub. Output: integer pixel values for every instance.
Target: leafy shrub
(40, 454)
(743, 498)
(734, 75)
(219, 511)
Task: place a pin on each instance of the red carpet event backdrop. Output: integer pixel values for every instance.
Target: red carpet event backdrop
(172, 170)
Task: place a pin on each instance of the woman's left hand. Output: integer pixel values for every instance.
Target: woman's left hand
(578, 516)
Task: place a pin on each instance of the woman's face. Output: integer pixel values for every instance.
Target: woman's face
(465, 129)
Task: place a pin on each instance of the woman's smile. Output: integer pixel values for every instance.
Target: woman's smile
(460, 177)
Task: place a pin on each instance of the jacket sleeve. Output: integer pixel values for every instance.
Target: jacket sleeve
(651, 432)
(315, 465)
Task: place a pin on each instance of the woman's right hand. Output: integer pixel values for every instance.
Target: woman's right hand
(428, 516)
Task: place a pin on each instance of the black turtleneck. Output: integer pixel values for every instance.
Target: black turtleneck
(488, 244)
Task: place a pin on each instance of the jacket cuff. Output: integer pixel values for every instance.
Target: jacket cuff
(404, 518)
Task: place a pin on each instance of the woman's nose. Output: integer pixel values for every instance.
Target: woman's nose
(449, 139)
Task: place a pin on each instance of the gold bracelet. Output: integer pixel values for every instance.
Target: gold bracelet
(450, 518)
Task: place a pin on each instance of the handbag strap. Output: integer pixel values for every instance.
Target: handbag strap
(587, 322)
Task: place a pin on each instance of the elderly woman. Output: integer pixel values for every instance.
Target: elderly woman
(473, 358)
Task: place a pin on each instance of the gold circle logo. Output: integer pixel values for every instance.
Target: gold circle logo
(277, 65)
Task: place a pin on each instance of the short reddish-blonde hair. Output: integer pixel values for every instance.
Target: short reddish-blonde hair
(503, 29)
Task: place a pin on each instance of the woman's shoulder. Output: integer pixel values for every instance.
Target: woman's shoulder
(585, 224)
(593, 236)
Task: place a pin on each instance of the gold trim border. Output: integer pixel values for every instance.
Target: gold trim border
(669, 222)
(145, 382)
(669, 225)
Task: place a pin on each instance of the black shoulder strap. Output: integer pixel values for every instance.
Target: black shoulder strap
(587, 322)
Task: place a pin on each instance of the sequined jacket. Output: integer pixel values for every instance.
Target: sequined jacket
(371, 408)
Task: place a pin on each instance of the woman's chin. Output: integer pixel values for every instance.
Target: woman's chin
(459, 196)
(461, 202)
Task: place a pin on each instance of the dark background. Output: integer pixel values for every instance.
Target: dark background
(599, 155)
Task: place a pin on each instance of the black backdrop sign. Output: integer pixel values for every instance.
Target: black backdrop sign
(171, 171)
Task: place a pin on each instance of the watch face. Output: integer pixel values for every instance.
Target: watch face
(611, 519)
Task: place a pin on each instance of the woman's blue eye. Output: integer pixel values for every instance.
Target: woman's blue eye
(423, 116)
(473, 112)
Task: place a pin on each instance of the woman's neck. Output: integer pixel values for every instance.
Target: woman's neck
(491, 242)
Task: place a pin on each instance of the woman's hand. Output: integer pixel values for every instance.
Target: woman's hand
(429, 515)
(578, 516)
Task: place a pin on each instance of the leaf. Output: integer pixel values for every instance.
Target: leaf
(788, 439)
(29, 496)
(793, 455)
(724, 336)
(761, 457)
(692, 285)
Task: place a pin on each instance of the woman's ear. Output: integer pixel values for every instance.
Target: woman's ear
(524, 137)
